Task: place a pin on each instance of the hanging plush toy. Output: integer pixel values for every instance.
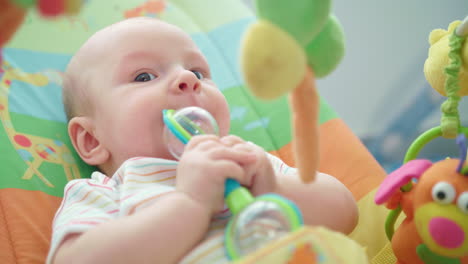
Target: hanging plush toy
(434, 197)
(435, 229)
(446, 70)
(282, 52)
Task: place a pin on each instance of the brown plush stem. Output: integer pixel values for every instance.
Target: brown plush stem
(304, 103)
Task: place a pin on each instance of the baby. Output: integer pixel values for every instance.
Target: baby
(143, 206)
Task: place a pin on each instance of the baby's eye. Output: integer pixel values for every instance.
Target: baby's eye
(145, 77)
(198, 74)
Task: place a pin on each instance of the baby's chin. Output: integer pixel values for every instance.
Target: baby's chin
(165, 155)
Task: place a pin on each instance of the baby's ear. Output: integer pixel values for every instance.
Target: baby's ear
(81, 131)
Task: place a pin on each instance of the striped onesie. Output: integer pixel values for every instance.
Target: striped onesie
(135, 185)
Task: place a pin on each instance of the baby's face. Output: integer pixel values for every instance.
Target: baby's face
(149, 66)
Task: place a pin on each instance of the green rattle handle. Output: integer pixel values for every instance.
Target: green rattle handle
(236, 196)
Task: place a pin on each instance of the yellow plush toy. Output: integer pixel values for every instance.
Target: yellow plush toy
(438, 58)
(446, 70)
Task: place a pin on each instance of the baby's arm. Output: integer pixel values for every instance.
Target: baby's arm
(168, 229)
(325, 201)
(159, 232)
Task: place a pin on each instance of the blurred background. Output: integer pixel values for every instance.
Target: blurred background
(379, 89)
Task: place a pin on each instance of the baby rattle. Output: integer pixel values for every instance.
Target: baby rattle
(250, 214)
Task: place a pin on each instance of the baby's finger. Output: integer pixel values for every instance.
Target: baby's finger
(231, 140)
(203, 141)
(239, 156)
(244, 146)
(231, 170)
(249, 147)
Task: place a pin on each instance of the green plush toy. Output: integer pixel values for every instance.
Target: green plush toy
(288, 36)
(282, 52)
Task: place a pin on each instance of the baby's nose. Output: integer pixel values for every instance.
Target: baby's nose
(188, 82)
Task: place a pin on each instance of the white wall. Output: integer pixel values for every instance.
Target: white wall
(386, 43)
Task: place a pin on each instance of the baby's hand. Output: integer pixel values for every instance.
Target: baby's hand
(206, 164)
(259, 173)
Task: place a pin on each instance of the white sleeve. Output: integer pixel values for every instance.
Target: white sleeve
(279, 165)
(86, 203)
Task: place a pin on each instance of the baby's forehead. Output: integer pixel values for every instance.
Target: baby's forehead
(124, 28)
(135, 26)
(110, 38)
(112, 43)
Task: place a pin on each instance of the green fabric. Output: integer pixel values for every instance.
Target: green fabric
(48, 35)
(203, 16)
(25, 3)
(274, 114)
(13, 167)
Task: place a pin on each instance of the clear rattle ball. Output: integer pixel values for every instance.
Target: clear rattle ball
(261, 222)
(195, 121)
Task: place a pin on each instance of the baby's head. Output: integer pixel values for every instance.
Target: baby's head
(121, 79)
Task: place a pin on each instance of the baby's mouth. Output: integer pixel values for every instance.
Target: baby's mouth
(191, 102)
(180, 106)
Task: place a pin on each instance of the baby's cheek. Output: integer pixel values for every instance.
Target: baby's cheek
(138, 141)
(220, 111)
(224, 125)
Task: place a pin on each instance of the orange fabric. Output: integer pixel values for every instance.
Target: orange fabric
(285, 154)
(25, 225)
(344, 156)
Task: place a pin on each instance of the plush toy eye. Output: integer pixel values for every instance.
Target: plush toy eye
(462, 202)
(443, 192)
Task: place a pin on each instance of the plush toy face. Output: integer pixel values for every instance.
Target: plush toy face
(441, 209)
